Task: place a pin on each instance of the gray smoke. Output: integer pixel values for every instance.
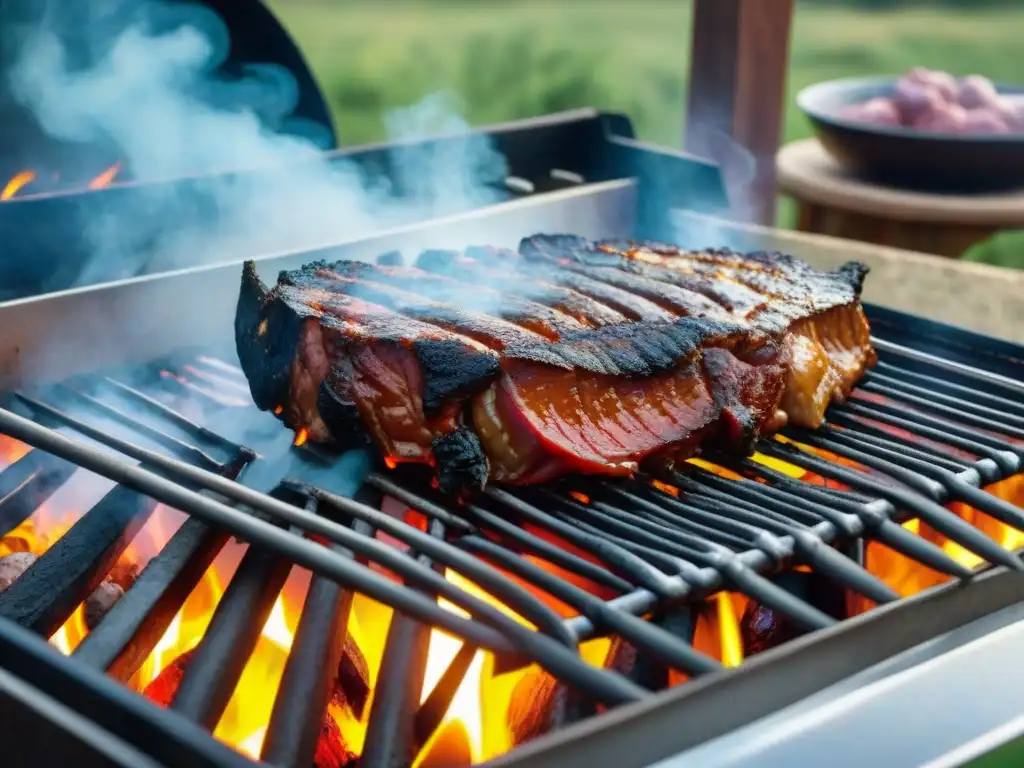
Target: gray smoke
(154, 96)
(739, 168)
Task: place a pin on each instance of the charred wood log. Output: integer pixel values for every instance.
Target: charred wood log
(538, 705)
(352, 687)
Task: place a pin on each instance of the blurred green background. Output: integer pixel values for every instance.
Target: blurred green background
(511, 59)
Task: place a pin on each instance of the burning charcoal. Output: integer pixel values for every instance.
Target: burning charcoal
(12, 566)
(353, 685)
(163, 687)
(99, 603)
(534, 705)
(124, 574)
(331, 749)
(763, 629)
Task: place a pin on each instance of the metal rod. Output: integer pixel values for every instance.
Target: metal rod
(390, 732)
(876, 518)
(508, 530)
(179, 447)
(718, 557)
(27, 483)
(440, 552)
(614, 555)
(638, 631)
(821, 557)
(134, 626)
(110, 705)
(432, 711)
(893, 372)
(198, 431)
(218, 661)
(311, 670)
(938, 517)
(948, 365)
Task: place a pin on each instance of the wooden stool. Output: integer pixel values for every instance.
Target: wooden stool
(832, 202)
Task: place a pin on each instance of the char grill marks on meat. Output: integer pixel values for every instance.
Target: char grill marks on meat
(564, 357)
(817, 315)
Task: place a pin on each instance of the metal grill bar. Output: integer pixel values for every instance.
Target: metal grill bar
(110, 705)
(691, 550)
(442, 554)
(27, 483)
(311, 670)
(391, 732)
(939, 518)
(888, 372)
(132, 629)
(217, 663)
(952, 366)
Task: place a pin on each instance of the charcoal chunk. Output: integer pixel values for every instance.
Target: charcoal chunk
(461, 463)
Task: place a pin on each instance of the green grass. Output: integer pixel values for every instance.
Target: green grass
(520, 58)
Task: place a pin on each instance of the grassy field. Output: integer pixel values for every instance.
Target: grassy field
(520, 58)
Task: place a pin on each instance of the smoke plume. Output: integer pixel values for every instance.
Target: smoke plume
(152, 92)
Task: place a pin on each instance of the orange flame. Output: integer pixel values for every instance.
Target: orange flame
(11, 450)
(16, 183)
(301, 437)
(105, 178)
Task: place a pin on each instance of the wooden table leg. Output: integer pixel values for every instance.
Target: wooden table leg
(739, 59)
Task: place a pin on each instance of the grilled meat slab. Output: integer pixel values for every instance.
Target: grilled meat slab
(822, 328)
(566, 357)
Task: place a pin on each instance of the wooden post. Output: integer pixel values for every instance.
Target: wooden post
(739, 58)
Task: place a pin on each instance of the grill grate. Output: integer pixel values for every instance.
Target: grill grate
(921, 434)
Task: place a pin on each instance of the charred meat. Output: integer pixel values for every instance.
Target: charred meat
(566, 357)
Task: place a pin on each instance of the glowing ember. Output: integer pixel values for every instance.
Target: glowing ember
(105, 178)
(580, 497)
(390, 462)
(11, 450)
(671, 490)
(301, 436)
(17, 182)
(278, 410)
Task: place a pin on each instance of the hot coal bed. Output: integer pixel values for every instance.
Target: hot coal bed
(369, 620)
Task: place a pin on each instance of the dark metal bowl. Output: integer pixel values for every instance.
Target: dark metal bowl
(907, 158)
